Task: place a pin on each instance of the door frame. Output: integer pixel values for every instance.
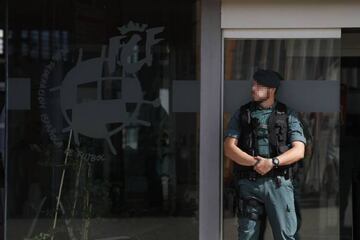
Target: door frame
(262, 34)
(211, 109)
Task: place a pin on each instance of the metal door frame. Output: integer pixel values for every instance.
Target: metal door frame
(211, 107)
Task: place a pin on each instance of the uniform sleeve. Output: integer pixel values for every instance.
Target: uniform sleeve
(233, 129)
(296, 128)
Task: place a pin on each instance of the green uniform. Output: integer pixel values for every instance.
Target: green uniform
(276, 194)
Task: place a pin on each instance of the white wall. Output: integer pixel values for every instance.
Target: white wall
(290, 13)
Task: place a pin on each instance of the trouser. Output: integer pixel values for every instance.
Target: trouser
(275, 196)
(297, 211)
(297, 208)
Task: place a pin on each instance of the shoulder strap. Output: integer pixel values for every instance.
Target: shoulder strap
(278, 126)
(246, 141)
(245, 114)
(281, 108)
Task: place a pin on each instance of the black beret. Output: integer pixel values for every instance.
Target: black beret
(268, 78)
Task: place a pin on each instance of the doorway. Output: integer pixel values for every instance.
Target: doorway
(310, 62)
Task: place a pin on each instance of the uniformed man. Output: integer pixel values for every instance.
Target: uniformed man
(265, 139)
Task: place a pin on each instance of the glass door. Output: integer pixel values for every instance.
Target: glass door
(309, 62)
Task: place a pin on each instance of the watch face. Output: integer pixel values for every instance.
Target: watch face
(276, 162)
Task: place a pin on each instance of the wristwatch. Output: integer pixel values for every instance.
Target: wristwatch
(276, 162)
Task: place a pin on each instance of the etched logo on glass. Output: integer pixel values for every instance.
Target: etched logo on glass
(91, 114)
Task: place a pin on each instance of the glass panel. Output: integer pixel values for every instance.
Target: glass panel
(296, 59)
(2, 115)
(318, 180)
(350, 135)
(96, 148)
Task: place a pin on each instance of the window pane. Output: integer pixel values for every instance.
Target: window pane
(96, 148)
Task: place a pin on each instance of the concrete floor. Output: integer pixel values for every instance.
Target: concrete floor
(110, 229)
(318, 224)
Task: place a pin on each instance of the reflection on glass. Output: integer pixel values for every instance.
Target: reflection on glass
(296, 59)
(318, 180)
(350, 133)
(101, 154)
(2, 120)
(1, 41)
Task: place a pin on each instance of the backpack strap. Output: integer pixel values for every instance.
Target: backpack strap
(247, 139)
(281, 108)
(278, 129)
(245, 114)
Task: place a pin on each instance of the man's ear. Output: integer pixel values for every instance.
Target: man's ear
(273, 91)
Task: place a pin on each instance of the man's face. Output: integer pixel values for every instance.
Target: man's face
(259, 92)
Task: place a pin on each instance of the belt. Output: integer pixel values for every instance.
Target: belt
(253, 175)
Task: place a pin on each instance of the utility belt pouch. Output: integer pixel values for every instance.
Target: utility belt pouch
(251, 207)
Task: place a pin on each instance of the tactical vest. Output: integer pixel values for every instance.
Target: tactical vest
(277, 130)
